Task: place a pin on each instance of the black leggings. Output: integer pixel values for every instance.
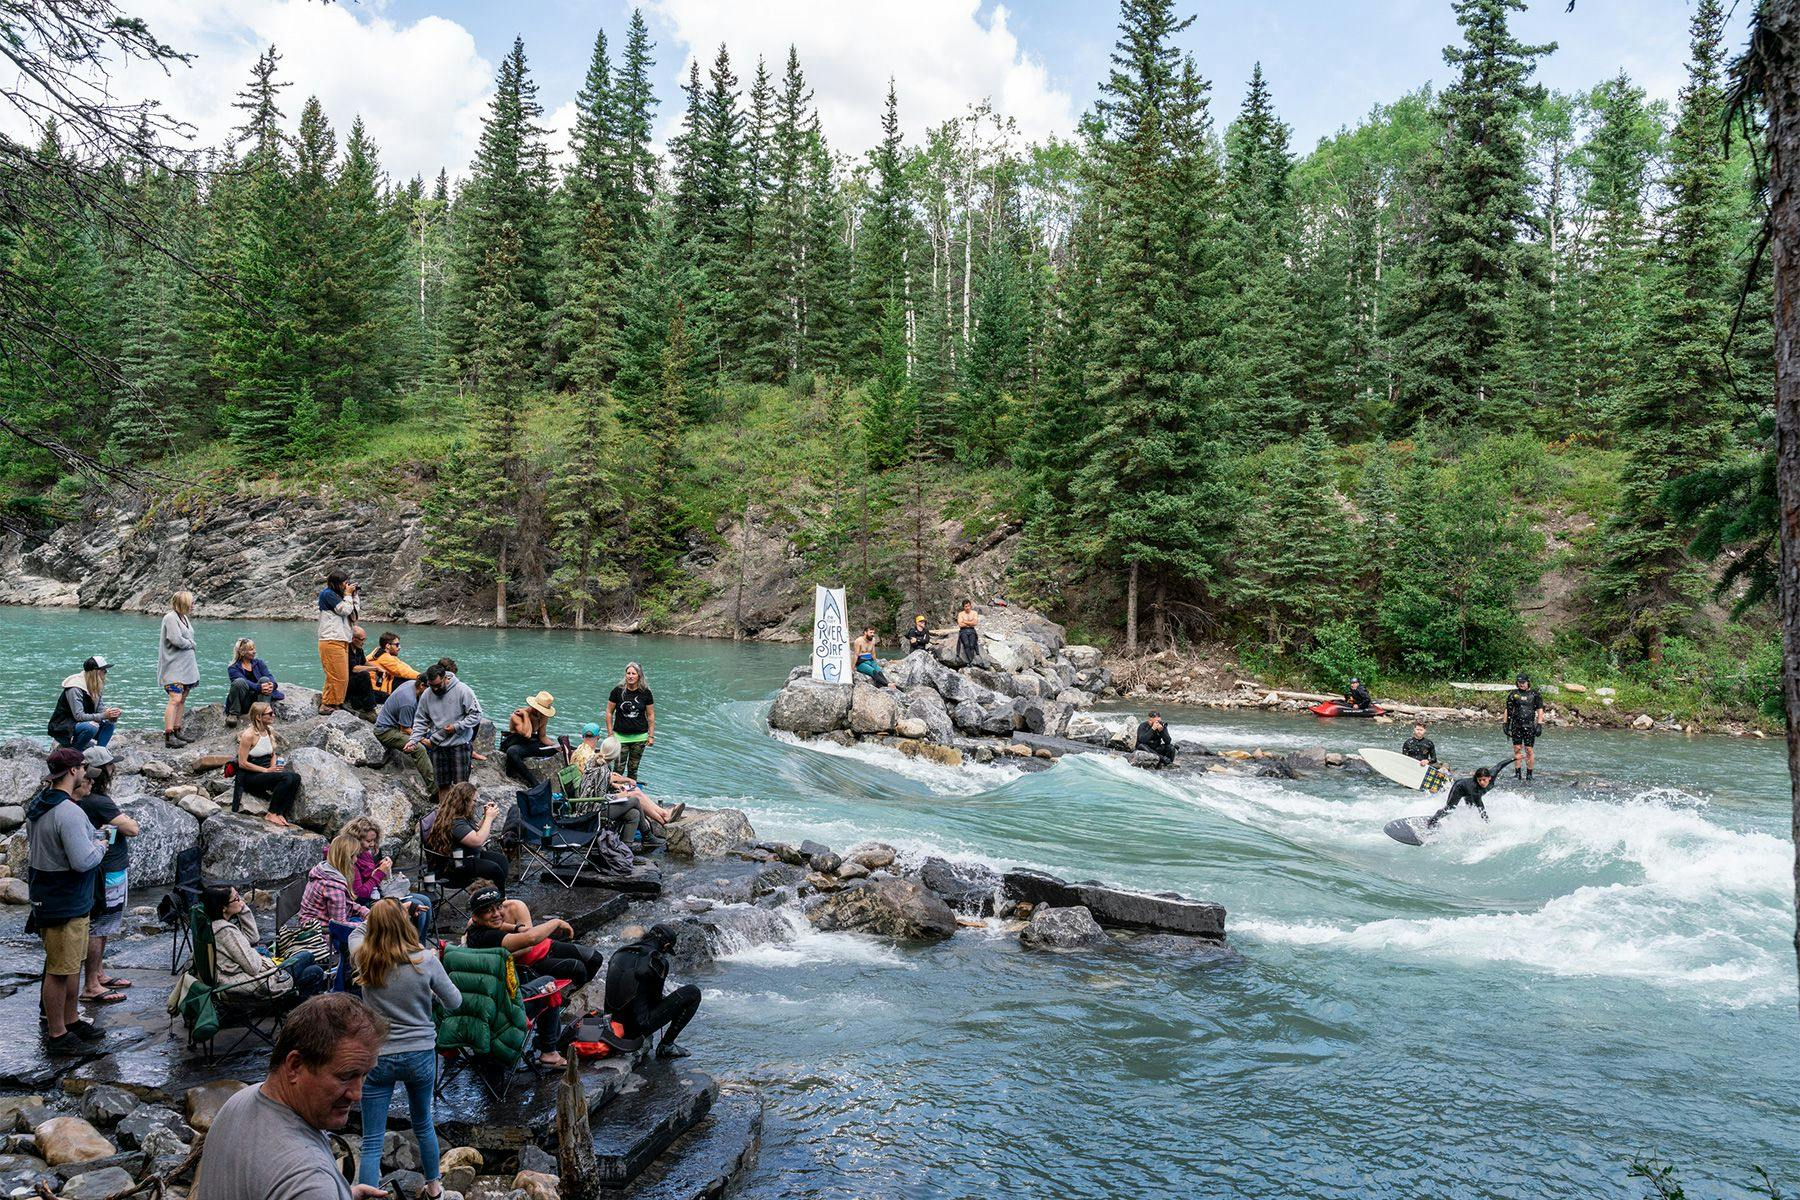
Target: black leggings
(479, 864)
(674, 1010)
(279, 788)
(517, 752)
(566, 960)
(968, 645)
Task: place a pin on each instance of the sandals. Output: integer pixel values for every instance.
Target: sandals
(675, 813)
(107, 997)
(116, 984)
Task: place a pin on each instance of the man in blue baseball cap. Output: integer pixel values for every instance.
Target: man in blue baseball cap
(590, 746)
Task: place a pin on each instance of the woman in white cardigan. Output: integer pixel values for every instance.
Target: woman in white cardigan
(337, 621)
(177, 666)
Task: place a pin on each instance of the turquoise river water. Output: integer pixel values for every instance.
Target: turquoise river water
(1516, 1010)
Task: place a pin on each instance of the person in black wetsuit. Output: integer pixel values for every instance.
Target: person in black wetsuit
(1419, 746)
(1524, 721)
(1358, 696)
(918, 637)
(1153, 736)
(634, 991)
(1469, 791)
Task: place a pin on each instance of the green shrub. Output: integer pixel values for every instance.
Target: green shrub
(1339, 653)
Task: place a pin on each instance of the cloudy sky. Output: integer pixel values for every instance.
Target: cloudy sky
(419, 71)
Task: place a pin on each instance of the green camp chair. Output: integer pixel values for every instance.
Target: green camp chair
(209, 1007)
(491, 1030)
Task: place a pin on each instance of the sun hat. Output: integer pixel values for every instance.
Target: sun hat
(543, 702)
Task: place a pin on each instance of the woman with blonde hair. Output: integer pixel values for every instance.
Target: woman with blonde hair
(326, 899)
(249, 680)
(400, 980)
(337, 622)
(259, 772)
(177, 666)
(631, 717)
(82, 718)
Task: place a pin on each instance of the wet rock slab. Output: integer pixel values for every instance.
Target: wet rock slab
(705, 1162)
(660, 1105)
(1116, 908)
(524, 1114)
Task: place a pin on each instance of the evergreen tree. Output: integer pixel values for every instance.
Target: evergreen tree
(1677, 417)
(1149, 489)
(587, 193)
(755, 327)
(824, 272)
(709, 189)
(656, 528)
(635, 106)
(891, 417)
(777, 328)
(1471, 268)
(995, 373)
(881, 243)
(371, 271)
(1295, 550)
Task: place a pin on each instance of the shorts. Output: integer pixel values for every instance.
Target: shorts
(106, 924)
(451, 763)
(65, 946)
(1523, 737)
(179, 689)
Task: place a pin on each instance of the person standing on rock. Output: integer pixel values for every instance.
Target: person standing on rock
(177, 666)
(1524, 721)
(444, 722)
(251, 680)
(401, 980)
(268, 1142)
(81, 717)
(393, 727)
(64, 851)
(112, 885)
(919, 636)
(866, 662)
(337, 616)
(259, 772)
(968, 639)
(1153, 736)
(634, 991)
(631, 717)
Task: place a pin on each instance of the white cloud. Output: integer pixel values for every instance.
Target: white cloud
(942, 54)
(420, 87)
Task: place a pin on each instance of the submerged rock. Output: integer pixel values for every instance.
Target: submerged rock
(896, 908)
(1062, 929)
(965, 887)
(1116, 908)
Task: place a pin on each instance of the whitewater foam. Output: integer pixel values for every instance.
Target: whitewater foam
(970, 779)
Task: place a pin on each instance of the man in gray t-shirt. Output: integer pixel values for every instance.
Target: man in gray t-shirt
(268, 1142)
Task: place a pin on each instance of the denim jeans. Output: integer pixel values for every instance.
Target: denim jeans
(417, 1069)
(91, 733)
(309, 976)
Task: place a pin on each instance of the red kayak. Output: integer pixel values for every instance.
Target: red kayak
(1331, 708)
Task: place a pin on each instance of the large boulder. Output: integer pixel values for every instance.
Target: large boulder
(708, 833)
(1116, 908)
(19, 778)
(925, 704)
(1082, 658)
(1043, 716)
(248, 848)
(331, 792)
(349, 737)
(297, 703)
(71, 1140)
(164, 831)
(918, 669)
(896, 908)
(396, 803)
(809, 707)
(872, 709)
(1306, 760)
(1062, 929)
(203, 1102)
(965, 887)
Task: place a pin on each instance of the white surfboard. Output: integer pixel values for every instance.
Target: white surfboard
(1405, 771)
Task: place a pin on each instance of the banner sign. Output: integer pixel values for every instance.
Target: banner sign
(831, 636)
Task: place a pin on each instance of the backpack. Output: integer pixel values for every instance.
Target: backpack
(597, 1037)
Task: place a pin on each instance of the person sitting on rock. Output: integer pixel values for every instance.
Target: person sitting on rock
(373, 868)
(545, 949)
(452, 826)
(1419, 746)
(393, 729)
(81, 717)
(259, 772)
(1153, 736)
(866, 662)
(251, 680)
(634, 991)
(240, 959)
(918, 637)
(600, 781)
(528, 737)
(968, 639)
(390, 670)
(360, 696)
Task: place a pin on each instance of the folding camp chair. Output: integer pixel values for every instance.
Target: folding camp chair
(435, 871)
(178, 906)
(345, 979)
(241, 1005)
(561, 844)
(492, 1042)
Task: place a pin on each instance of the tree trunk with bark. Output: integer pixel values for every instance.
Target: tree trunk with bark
(578, 1173)
(1131, 607)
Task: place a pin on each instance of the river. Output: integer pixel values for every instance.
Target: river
(1516, 1010)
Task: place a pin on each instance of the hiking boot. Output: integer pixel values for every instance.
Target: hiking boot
(230, 722)
(1516, 774)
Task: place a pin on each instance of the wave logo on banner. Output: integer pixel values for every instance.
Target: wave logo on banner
(831, 636)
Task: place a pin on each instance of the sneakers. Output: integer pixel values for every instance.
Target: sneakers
(87, 1031)
(68, 1043)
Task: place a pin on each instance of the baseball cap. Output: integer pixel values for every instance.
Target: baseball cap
(96, 663)
(98, 756)
(485, 899)
(63, 759)
(590, 730)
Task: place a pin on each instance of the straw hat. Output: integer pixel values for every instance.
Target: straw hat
(543, 702)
